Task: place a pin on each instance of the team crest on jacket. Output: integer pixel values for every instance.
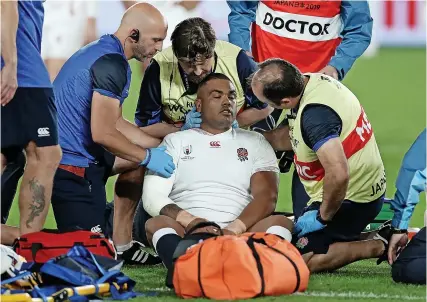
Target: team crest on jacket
(302, 242)
(242, 154)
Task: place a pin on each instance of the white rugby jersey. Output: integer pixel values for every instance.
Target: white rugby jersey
(213, 172)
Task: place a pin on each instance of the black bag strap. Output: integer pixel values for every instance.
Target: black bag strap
(251, 241)
(202, 225)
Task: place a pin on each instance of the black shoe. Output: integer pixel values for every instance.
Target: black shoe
(137, 255)
(384, 234)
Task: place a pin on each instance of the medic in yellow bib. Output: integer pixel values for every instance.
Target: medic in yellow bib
(170, 82)
(336, 155)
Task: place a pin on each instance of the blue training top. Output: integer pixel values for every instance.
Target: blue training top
(410, 182)
(31, 69)
(102, 67)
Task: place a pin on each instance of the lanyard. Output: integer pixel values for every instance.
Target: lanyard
(185, 81)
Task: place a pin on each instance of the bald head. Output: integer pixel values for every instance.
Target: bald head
(146, 27)
(277, 80)
(142, 15)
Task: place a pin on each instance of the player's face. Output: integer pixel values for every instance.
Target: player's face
(150, 42)
(219, 103)
(196, 69)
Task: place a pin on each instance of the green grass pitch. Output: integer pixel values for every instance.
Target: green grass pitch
(392, 89)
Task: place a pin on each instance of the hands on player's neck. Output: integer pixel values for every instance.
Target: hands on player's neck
(214, 129)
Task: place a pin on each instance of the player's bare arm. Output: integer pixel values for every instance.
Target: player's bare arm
(105, 112)
(279, 138)
(160, 130)
(156, 201)
(252, 115)
(264, 189)
(332, 157)
(175, 212)
(136, 135)
(184, 218)
(9, 27)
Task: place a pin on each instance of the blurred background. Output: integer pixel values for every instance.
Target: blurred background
(389, 80)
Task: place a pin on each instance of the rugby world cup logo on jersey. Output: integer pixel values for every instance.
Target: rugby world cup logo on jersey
(242, 154)
(187, 151)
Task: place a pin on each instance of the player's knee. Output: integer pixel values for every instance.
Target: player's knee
(277, 220)
(152, 225)
(283, 221)
(156, 223)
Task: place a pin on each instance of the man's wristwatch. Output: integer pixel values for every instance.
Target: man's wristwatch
(320, 219)
(398, 231)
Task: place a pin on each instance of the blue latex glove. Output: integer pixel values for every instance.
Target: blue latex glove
(157, 160)
(235, 124)
(193, 119)
(308, 223)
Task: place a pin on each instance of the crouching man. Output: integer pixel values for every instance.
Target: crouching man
(224, 175)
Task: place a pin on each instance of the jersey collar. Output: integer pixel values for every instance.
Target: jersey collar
(119, 44)
(201, 131)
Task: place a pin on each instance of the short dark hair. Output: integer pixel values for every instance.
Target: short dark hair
(287, 81)
(213, 76)
(192, 37)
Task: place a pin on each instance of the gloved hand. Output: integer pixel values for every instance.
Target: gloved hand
(157, 160)
(235, 124)
(308, 223)
(192, 120)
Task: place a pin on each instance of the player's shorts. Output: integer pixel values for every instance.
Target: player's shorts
(30, 116)
(347, 224)
(79, 198)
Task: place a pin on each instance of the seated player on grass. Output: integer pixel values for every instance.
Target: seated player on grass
(225, 175)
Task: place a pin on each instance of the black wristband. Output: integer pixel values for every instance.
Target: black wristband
(320, 219)
(398, 231)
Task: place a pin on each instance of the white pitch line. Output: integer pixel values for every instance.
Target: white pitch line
(158, 289)
(361, 295)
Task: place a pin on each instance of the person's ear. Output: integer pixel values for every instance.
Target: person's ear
(135, 35)
(198, 103)
(286, 101)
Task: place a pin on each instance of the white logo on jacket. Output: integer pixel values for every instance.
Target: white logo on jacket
(298, 27)
(43, 132)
